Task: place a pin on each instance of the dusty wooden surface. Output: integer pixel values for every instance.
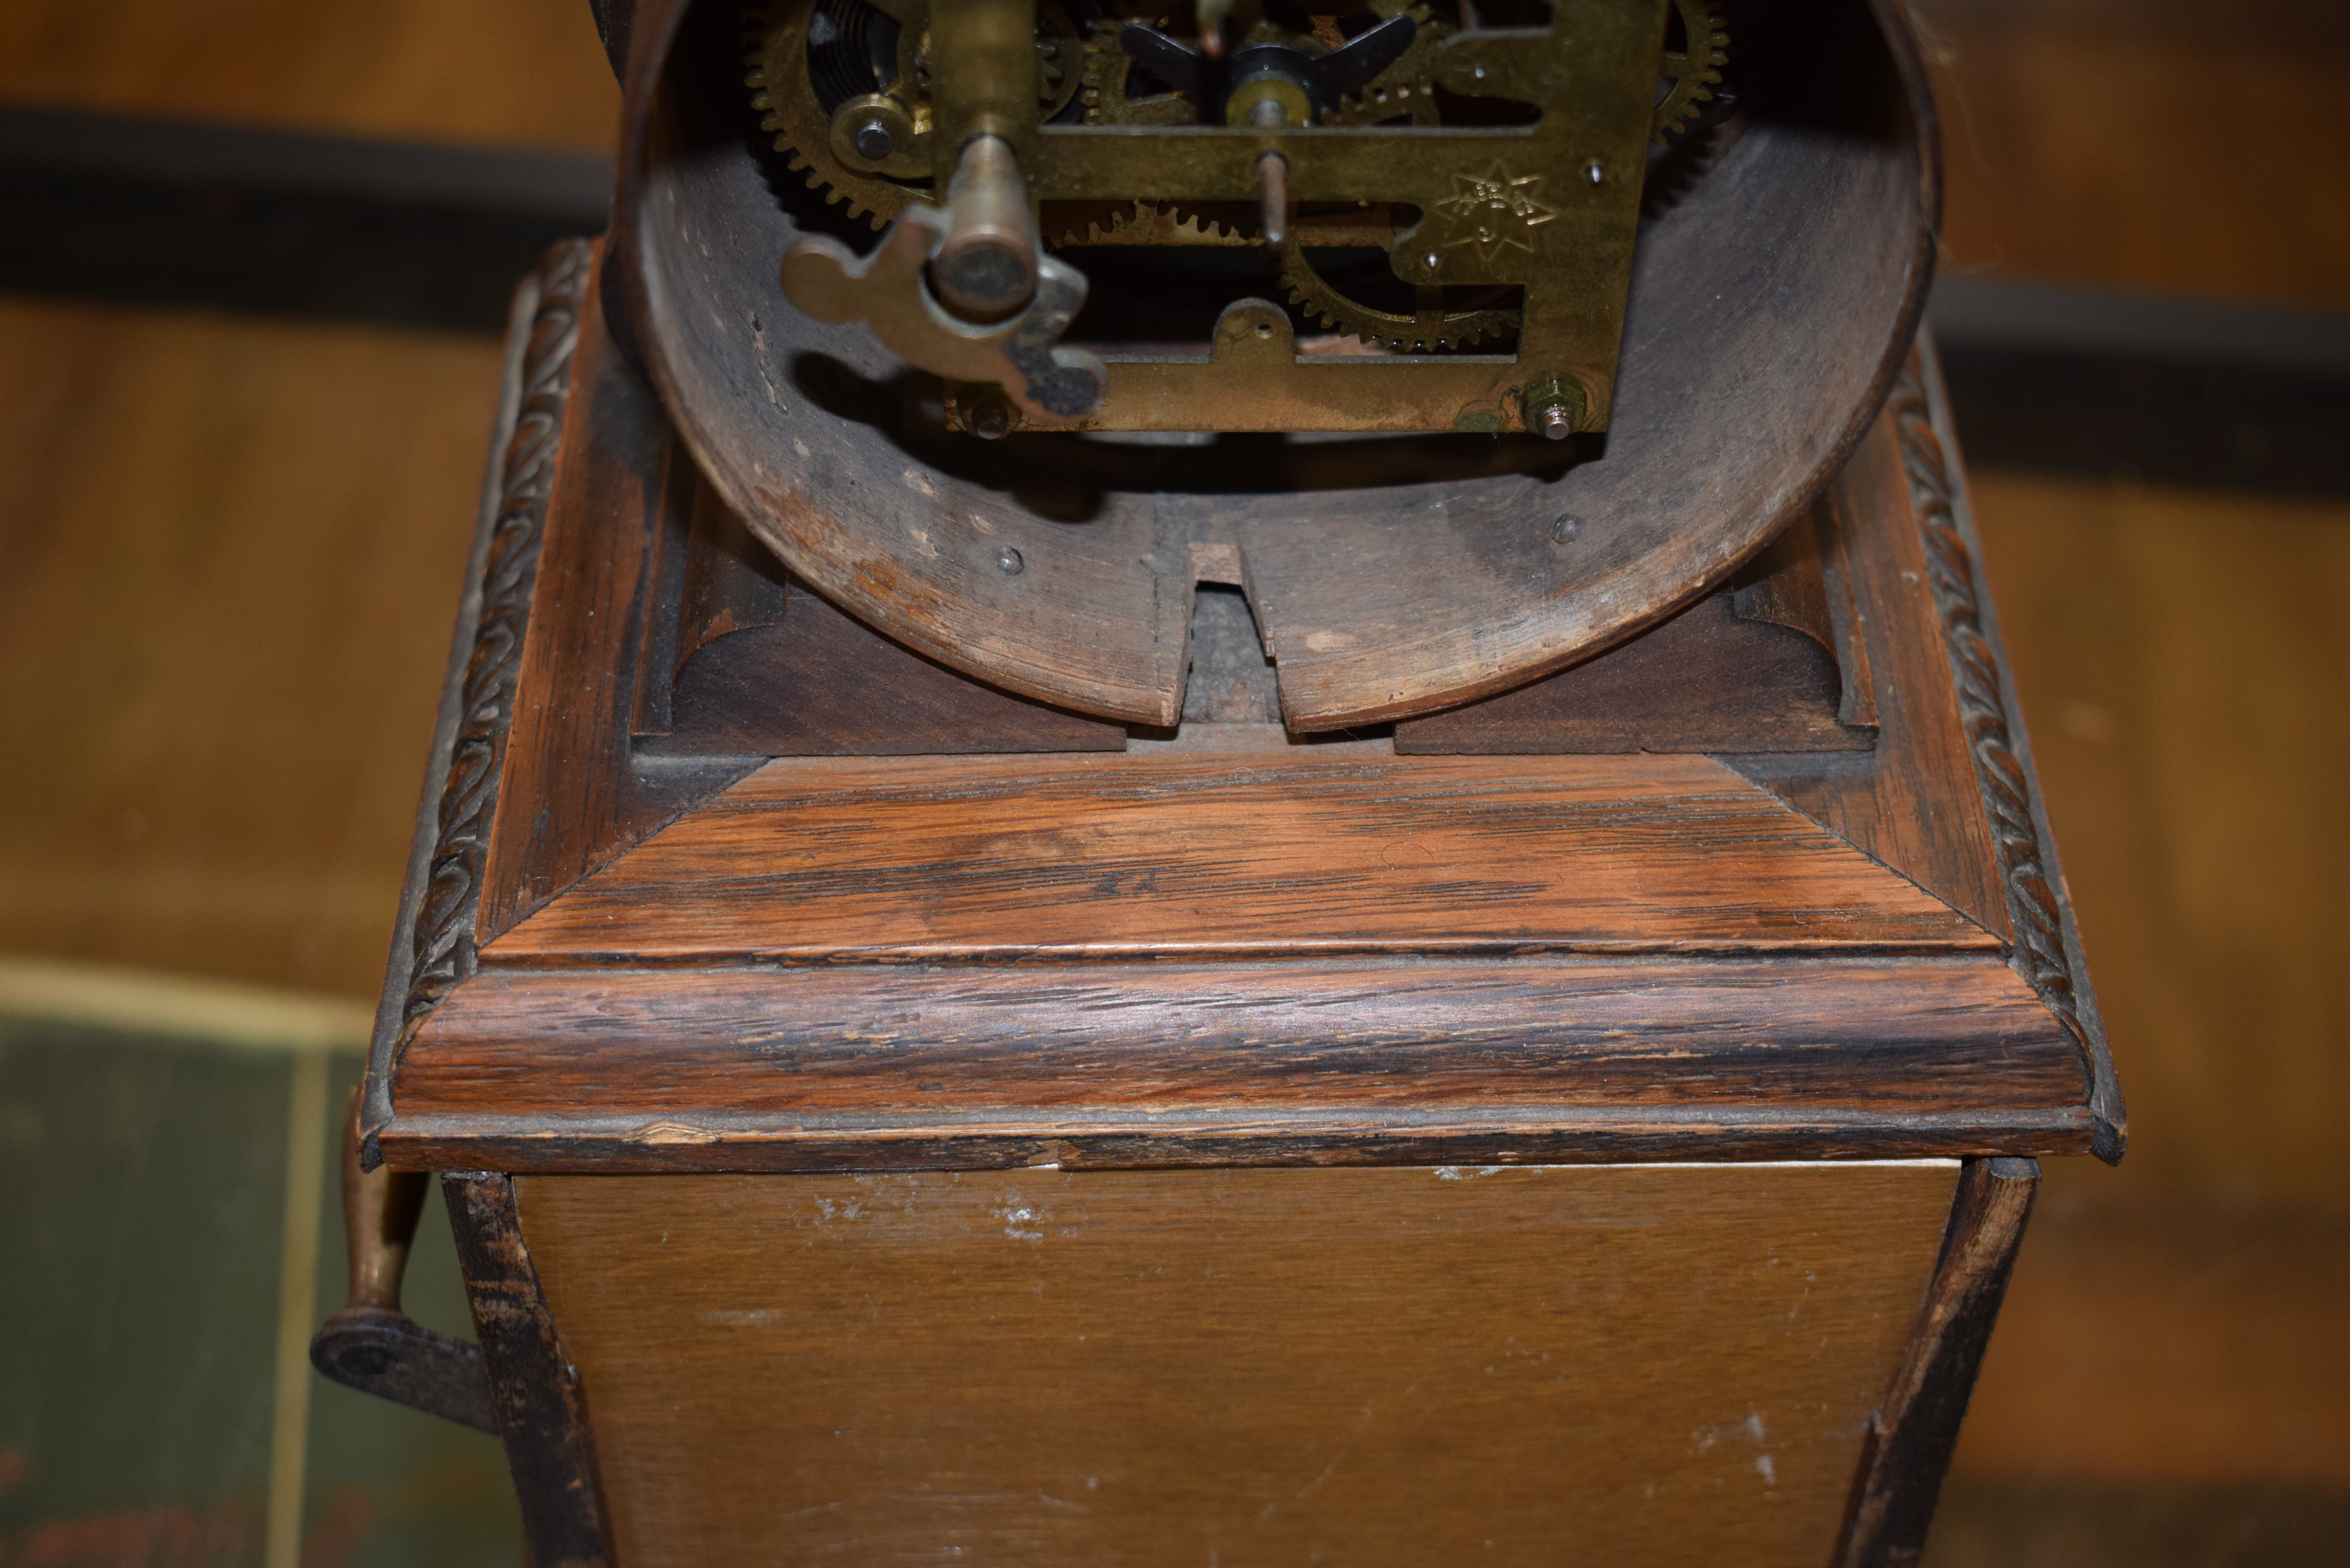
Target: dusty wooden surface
(1776, 661)
(736, 661)
(1895, 802)
(1708, 681)
(1402, 1366)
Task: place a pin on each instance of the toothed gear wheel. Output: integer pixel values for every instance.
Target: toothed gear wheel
(1690, 76)
(784, 87)
(1138, 224)
(1429, 329)
(1107, 68)
(1405, 90)
(803, 52)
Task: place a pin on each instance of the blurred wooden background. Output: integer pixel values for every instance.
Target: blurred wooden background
(229, 549)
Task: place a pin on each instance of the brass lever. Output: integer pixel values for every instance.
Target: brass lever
(371, 1344)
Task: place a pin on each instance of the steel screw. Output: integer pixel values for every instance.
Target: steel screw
(1553, 405)
(988, 416)
(872, 141)
(1009, 559)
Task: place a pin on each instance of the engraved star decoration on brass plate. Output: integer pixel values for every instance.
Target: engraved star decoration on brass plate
(1495, 212)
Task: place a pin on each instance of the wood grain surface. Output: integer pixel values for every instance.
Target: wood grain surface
(815, 682)
(1405, 1366)
(1910, 803)
(570, 793)
(1161, 854)
(992, 961)
(1775, 661)
(890, 1066)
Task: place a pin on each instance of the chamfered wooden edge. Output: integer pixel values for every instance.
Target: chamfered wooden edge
(1911, 1437)
(431, 945)
(541, 1410)
(2047, 940)
(1490, 1061)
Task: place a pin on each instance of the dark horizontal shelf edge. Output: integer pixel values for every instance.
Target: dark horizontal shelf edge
(1563, 1138)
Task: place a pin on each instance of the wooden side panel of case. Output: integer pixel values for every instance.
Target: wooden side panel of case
(1395, 1367)
(740, 659)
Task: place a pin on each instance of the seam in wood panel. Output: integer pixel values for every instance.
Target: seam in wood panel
(1991, 936)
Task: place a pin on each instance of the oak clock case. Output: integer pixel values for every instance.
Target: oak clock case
(1291, 911)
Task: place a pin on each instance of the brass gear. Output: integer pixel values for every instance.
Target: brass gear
(1405, 90)
(783, 90)
(1430, 327)
(1106, 69)
(1138, 224)
(1694, 72)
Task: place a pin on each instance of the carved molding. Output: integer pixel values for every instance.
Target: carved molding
(443, 941)
(2042, 953)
